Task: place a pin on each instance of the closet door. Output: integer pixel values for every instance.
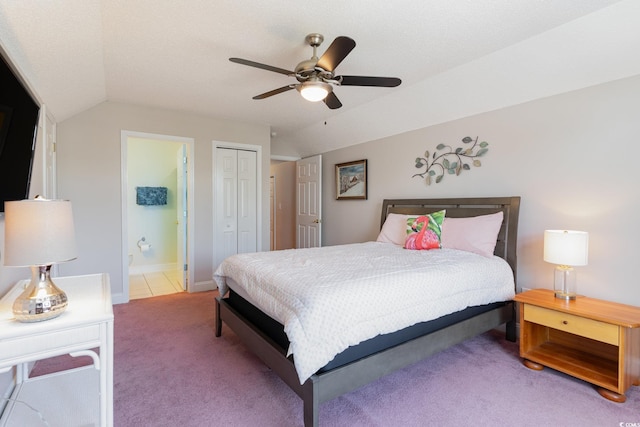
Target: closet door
(235, 203)
(247, 202)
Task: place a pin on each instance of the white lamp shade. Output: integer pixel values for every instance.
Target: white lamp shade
(314, 91)
(38, 232)
(566, 247)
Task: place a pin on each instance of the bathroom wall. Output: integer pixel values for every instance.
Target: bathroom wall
(152, 163)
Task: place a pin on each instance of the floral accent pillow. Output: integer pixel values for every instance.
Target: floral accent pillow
(423, 232)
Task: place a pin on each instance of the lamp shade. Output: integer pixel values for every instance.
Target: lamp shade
(566, 247)
(314, 90)
(38, 232)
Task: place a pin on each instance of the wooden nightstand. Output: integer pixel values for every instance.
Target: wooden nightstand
(594, 340)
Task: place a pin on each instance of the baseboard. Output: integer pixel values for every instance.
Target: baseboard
(119, 298)
(208, 285)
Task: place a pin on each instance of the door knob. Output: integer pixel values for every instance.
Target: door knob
(316, 221)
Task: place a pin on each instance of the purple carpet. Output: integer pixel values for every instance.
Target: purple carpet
(170, 370)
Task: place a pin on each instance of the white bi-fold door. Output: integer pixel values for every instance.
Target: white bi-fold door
(235, 203)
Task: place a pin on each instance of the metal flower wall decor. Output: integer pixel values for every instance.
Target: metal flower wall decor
(447, 160)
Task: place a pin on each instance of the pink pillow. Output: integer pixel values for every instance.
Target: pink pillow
(393, 229)
(477, 234)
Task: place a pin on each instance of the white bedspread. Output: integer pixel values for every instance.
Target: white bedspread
(333, 297)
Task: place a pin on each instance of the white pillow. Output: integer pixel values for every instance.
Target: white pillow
(477, 234)
(394, 229)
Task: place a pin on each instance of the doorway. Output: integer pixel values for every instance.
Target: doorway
(157, 182)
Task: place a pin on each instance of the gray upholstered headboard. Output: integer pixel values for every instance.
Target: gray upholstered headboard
(468, 207)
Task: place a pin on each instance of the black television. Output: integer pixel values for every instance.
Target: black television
(19, 113)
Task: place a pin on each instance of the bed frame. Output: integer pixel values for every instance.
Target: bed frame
(325, 386)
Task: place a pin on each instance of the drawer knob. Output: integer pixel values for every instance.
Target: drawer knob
(564, 322)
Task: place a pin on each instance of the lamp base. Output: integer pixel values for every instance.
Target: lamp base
(565, 296)
(564, 285)
(41, 300)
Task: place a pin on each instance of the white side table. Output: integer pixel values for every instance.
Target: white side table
(77, 397)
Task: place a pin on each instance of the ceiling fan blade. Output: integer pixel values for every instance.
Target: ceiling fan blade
(332, 101)
(262, 66)
(337, 51)
(274, 92)
(369, 81)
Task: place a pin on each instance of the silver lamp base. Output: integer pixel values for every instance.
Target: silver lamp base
(41, 300)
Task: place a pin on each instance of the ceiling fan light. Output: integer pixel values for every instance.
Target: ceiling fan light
(315, 91)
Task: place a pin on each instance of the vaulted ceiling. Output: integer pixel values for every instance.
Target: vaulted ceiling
(455, 58)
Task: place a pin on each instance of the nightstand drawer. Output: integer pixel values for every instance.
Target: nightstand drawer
(594, 329)
(47, 344)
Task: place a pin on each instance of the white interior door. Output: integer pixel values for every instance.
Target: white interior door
(181, 216)
(235, 203)
(309, 202)
(50, 159)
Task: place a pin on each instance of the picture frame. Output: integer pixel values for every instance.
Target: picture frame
(351, 180)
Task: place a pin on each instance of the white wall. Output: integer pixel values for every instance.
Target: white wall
(89, 169)
(571, 157)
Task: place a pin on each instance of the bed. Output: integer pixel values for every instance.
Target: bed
(363, 361)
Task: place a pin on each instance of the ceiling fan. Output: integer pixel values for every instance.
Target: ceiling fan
(316, 76)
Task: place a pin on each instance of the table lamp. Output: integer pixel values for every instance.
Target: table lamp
(39, 233)
(567, 249)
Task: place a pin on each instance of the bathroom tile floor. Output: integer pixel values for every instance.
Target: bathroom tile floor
(153, 284)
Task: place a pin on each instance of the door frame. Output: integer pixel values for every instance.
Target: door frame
(259, 211)
(273, 232)
(189, 143)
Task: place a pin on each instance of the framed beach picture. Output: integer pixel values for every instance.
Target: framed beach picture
(351, 180)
